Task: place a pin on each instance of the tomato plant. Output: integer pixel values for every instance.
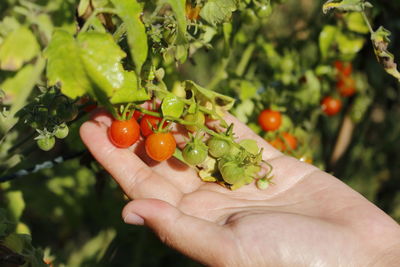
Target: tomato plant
(124, 133)
(160, 146)
(185, 64)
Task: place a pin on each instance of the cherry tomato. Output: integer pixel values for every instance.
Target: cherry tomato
(217, 147)
(46, 143)
(160, 146)
(198, 118)
(270, 120)
(137, 115)
(231, 172)
(195, 153)
(145, 127)
(344, 68)
(278, 144)
(62, 131)
(123, 134)
(331, 106)
(290, 140)
(346, 86)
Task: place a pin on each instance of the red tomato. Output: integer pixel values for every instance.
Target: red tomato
(160, 146)
(344, 68)
(192, 13)
(286, 138)
(137, 114)
(278, 144)
(290, 140)
(346, 86)
(123, 134)
(331, 106)
(270, 120)
(145, 127)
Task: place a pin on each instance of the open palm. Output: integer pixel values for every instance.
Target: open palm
(307, 217)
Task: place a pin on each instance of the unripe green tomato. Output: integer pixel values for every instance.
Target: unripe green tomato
(62, 131)
(218, 147)
(195, 154)
(264, 11)
(46, 143)
(231, 172)
(197, 117)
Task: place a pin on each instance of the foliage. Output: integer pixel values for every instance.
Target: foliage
(59, 58)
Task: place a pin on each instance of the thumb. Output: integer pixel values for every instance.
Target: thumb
(201, 240)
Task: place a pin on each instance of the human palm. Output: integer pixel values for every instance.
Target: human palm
(307, 217)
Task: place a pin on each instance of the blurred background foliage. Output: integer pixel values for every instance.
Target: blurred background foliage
(276, 58)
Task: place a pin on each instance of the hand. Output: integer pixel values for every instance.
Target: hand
(306, 218)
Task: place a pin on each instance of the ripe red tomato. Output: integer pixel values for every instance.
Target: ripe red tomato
(290, 140)
(160, 146)
(137, 114)
(145, 127)
(331, 106)
(270, 120)
(346, 86)
(344, 68)
(123, 134)
(286, 138)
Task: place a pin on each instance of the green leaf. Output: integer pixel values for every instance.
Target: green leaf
(178, 6)
(64, 65)
(82, 67)
(16, 204)
(209, 98)
(326, 40)
(105, 71)
(218, 11)
(129, 91)
(310, 92)
(19, 47)
(355, 22)
(380, 40)
(346, 5)
(250, 145)
(130, 11)
(172, 106)
(349, 44)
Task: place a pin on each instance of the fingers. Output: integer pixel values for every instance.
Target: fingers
(201, 240)
(130, 172)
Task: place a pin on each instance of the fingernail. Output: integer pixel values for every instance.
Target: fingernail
(133, 218)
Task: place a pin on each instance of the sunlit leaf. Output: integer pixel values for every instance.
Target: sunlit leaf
(346, 5)
(130, 12)
(178, 6)
(217, 11)
(129, 92)
(19, 47)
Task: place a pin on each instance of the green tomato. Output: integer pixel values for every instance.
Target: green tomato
(62, 131)
(231, 172)
(46, 143)
(195, 153)
(197, 117)
(218, 147)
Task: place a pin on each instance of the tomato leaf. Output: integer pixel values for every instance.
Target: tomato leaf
(380, 40)
(209, 98)
(129, 91)
(18, 47)
(130, 11)
(250, 145)
(178, 6)
(326, 40)
(172, 106)
(64, 65)
(218, 11)
(346, 5)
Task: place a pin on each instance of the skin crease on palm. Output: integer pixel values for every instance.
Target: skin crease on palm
(307, 218)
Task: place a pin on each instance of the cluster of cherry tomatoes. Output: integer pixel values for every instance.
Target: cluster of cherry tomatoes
(160, 144)
(270, 121)
(345, 86)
